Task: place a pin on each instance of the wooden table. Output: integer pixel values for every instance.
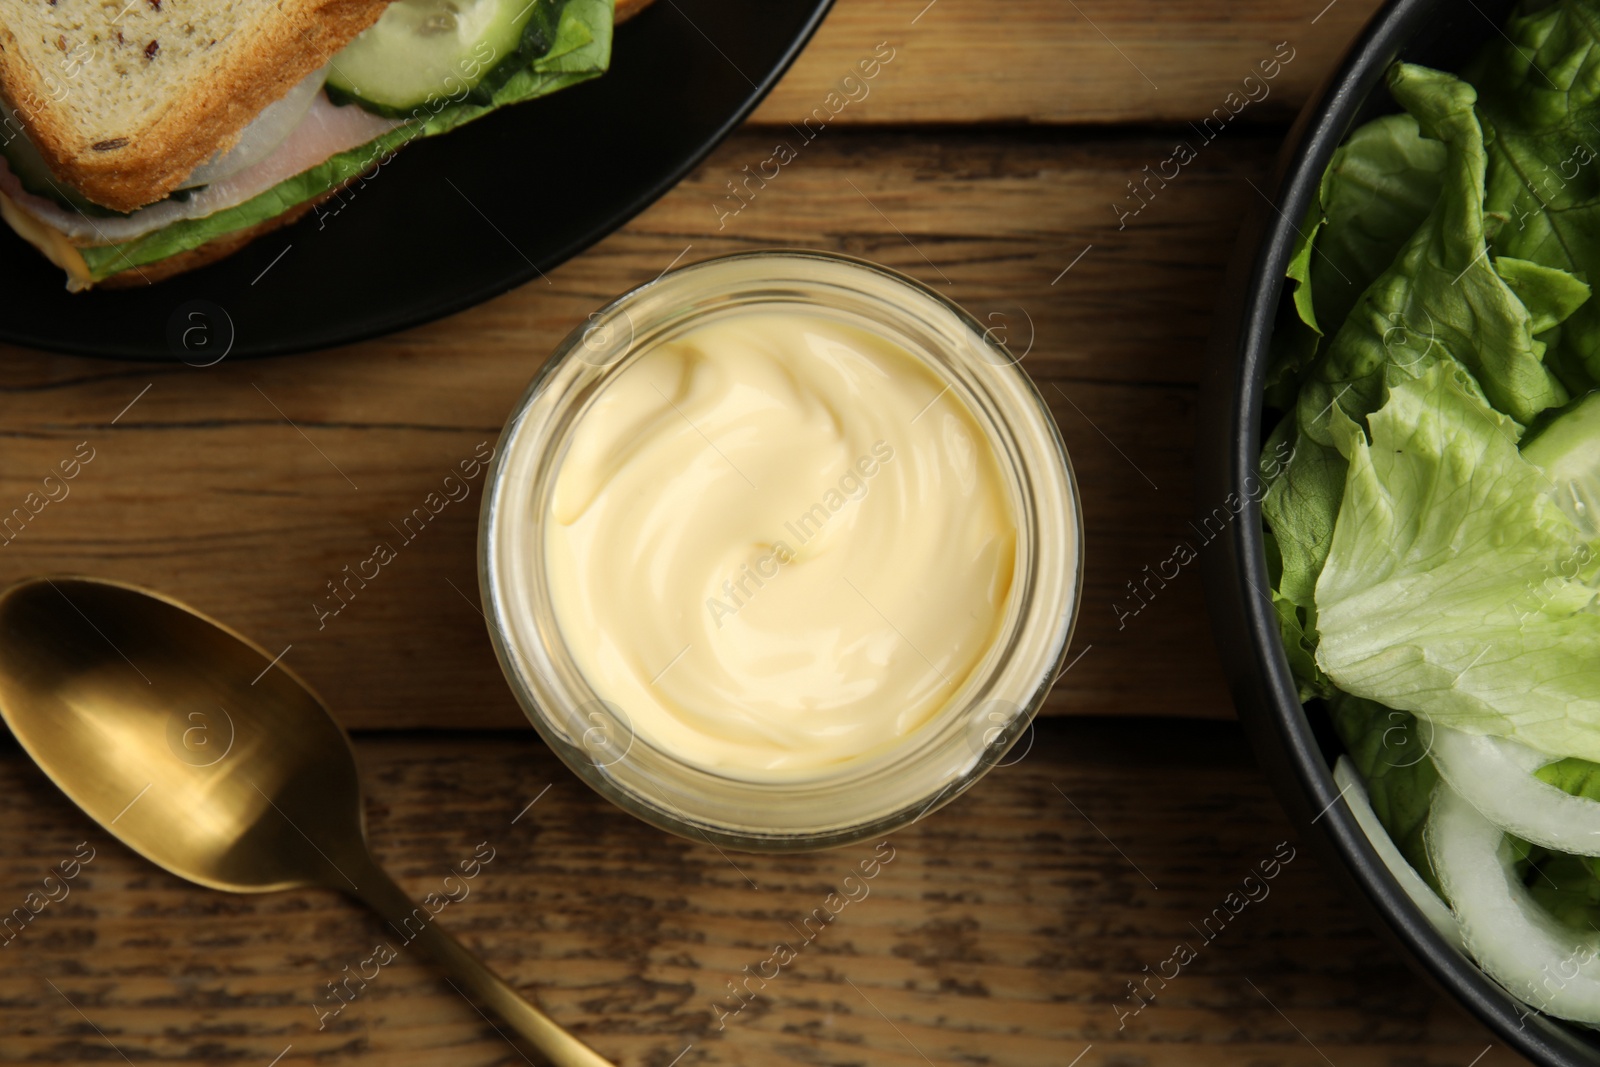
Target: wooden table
(992, 158)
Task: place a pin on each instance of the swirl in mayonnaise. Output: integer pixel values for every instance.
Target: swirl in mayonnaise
(778, 543)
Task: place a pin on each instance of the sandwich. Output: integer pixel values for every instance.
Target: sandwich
(143, 138)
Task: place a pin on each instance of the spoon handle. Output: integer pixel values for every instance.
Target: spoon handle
(482, 987)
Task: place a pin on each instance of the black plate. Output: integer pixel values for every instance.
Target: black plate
(534, 184)
(1296, 748)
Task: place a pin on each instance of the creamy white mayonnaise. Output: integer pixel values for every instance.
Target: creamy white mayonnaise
(778, 543)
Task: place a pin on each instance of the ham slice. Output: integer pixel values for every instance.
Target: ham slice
(326, 131)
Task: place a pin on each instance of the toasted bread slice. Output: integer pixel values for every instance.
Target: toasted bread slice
(124, 98)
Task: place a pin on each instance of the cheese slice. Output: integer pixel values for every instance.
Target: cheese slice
(49, 240)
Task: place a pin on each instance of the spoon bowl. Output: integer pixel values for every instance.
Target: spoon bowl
(178, 736)
(207, 756)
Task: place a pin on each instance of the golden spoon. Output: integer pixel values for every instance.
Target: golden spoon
(200, 752)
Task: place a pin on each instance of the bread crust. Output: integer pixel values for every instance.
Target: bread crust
(155, 160)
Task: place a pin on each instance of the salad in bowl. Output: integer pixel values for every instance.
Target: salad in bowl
(1433, 539)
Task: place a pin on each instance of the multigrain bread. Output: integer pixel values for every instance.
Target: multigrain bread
(124, 98)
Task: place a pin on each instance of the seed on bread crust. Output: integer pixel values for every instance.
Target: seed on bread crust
(111, 145)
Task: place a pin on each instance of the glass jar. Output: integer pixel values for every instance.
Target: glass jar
(872, 795)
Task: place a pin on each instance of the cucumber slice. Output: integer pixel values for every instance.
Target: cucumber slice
(423, 51)
(1568, 451)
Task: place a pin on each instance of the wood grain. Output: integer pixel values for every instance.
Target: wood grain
(1004, 930)
(1065, 61)
(204, 489)
(1004, 156)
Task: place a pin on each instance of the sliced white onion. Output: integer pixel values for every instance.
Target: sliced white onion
(1547, 965)
(1436, 911)
(263, 136)
(1495, 775)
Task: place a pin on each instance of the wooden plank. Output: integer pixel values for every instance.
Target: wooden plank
(203, 488)
(1004, 929)
(1044, 61)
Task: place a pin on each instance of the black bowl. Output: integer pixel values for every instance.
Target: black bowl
(1296, 747)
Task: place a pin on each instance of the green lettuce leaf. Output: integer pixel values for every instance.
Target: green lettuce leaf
(1423, 602)
(1566, 886)
(1390, 749)
(581, 50)
(1294, 341)
(1299, 271)
(1550, 294)
(1299, 647)
(1576, 776)
(1440, 299)
(1540, 106)
(1294, 622)
(1380, 186)
(1301, 508)
(1291, 350)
